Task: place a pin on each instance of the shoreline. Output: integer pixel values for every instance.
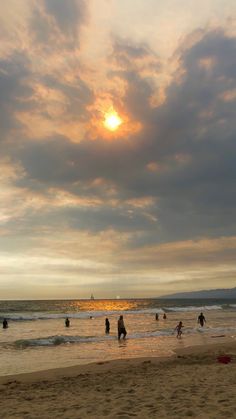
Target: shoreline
(102, 366)
(191, 383)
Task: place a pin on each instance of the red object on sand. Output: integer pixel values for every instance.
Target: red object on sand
(224, 359)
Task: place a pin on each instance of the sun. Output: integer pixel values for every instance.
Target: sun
(112, 120)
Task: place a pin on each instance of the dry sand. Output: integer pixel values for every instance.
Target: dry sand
(191, 384)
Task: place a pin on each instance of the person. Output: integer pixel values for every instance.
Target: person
(67, 322)
(164, 316)
(5, 324)
(107, 326)
(157, 317)
(179, 329)
(121, 328)
(201, 319)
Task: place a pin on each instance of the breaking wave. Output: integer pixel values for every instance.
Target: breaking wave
(62, 340)
(193, 308)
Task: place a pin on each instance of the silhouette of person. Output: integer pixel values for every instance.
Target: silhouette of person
(201, 319)
(164, 316)
(67, 322)
(179, 329)
(107, 325)
(5, 324)
(121, 328)
(157, 316)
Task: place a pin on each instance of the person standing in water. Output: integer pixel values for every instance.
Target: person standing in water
(157, 316)
(107, 326)
(67, 322)
(179, 330)
(201, 319)
(164, 316)
(5, 324)
(121, 328)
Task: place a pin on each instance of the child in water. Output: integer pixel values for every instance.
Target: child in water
(179, 329)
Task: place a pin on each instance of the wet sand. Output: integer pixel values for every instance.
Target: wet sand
(190, 384)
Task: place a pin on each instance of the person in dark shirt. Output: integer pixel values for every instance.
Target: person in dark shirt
(67, 322)
(201, 319)
(107, 326)
(121, 328)
(5, 324)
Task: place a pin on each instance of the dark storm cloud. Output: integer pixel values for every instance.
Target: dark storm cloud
(87, 218)
(208, 71)
(190, 138)
(41, 29)
(68, 14)
(59, 17)
(15, 93)
(77, 94)
(58, 161)
(128, 54)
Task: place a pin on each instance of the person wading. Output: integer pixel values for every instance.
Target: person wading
(121, 328)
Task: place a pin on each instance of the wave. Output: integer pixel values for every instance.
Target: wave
(45, 316)
(80, 315)
(193, 308)
(229, 306)
(57, 340)
(83, 315)
(60, 339)
(52, 316)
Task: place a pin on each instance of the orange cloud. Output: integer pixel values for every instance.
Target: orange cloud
(98, 111)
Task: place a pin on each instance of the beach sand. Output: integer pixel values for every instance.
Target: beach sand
(190, 384)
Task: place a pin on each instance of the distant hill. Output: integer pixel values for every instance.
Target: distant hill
(218, 293)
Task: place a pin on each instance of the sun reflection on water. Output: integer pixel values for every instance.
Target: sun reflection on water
(103, 305)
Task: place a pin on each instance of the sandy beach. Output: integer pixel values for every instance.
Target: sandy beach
(190, 384)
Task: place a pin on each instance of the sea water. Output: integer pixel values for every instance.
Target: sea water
(37, 338)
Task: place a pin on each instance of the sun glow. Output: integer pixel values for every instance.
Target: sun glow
(110, 123)
(112, 120)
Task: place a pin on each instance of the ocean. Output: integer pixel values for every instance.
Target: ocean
(37, 338)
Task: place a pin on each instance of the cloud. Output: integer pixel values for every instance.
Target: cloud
(43, 90)
(189, 140)
(128, 54)
(166, 191)
(77, 95)
(58, 20)
(68, 15)
(15, 91)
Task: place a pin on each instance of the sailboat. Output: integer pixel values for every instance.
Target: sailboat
(92, 297)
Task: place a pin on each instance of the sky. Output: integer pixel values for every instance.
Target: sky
(143, 207)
